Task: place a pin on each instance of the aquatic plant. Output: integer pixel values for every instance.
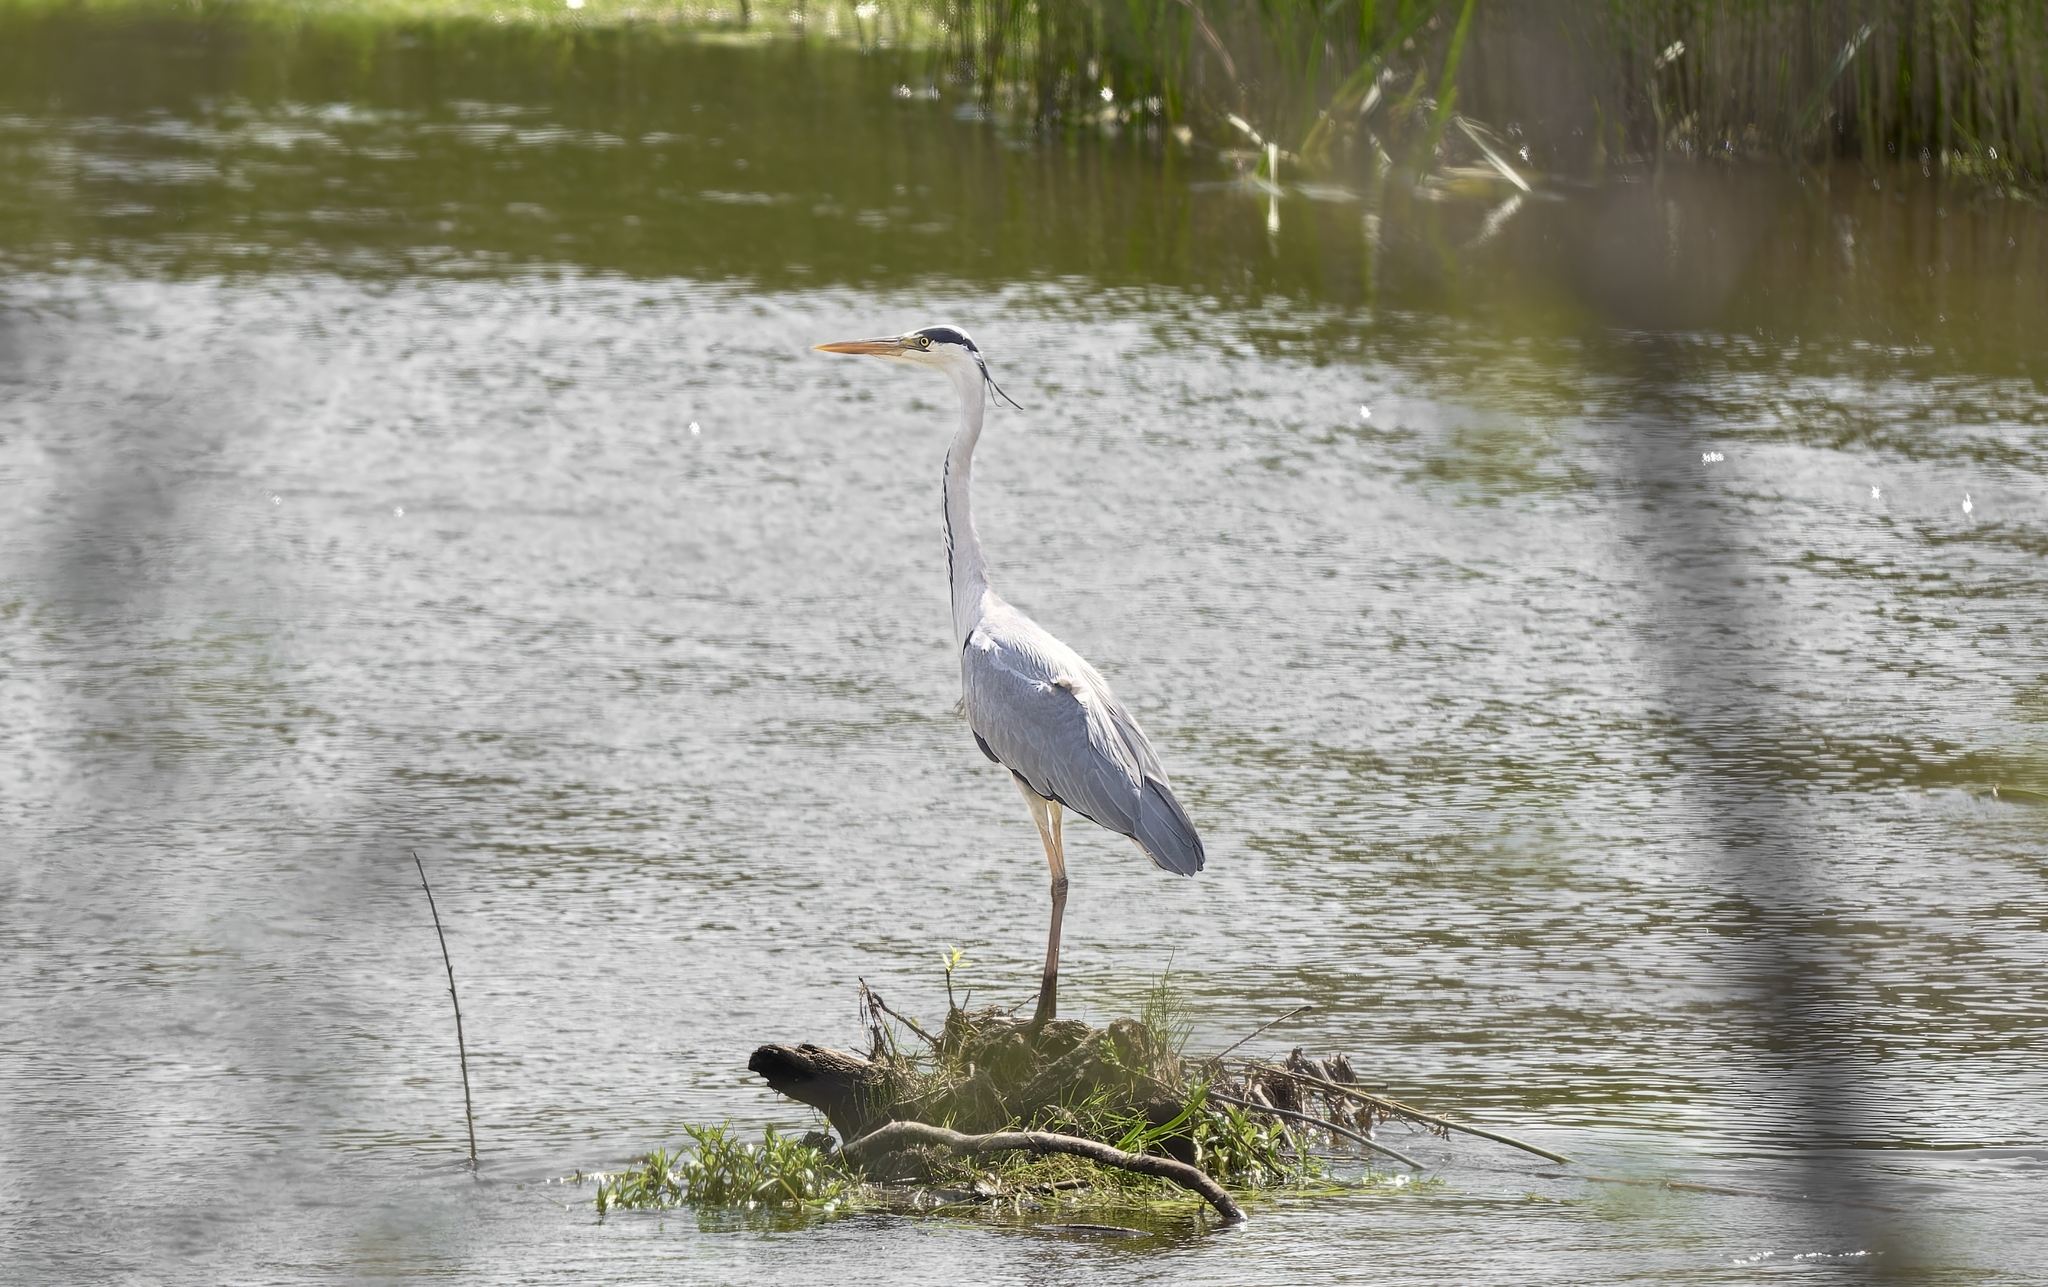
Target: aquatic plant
(1958, 84)
(1579, 83)
(721, 1170)
(1850, 77)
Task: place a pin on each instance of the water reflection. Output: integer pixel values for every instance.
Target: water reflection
(454, 149)
(415, 448)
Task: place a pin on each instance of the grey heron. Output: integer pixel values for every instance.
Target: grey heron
(1035, 706)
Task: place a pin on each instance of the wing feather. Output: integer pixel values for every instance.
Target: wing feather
(1045, 714)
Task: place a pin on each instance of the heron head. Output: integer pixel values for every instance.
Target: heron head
(948, 348)
(944, 347)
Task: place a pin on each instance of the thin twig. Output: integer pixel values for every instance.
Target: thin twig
(899, 1135)
(903, 1019)
(461, 1049)
(1313, 1120)
(1404, 1110)
(1388, 1107)
(1218, 1059)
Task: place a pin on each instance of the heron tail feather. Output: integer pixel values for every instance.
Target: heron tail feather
(1164, 831)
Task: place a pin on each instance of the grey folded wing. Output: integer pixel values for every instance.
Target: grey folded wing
(1047, 716)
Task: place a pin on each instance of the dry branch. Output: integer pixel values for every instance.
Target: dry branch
(901, 1135)
(1398, 1109)
(1217, 1059)
(851, 1091)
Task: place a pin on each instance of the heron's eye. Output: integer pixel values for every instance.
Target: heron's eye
(924, 341)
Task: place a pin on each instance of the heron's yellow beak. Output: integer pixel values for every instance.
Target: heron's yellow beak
(873, 348)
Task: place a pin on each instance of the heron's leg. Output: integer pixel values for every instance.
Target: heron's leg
(1046, 813)
(1056, 859)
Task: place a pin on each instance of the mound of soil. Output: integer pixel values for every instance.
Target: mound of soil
(985, 1072)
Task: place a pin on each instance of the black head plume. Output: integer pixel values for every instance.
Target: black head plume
(993, 385)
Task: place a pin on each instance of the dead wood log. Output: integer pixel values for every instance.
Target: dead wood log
(852, 1092)
(901, 1135)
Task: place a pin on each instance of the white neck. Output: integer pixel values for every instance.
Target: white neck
(971, 594)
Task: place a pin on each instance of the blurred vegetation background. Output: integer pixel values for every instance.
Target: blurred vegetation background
(1569, 86)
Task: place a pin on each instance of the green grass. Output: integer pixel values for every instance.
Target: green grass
(1167, 1015)
(721, 1170)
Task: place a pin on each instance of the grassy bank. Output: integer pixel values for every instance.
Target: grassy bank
(1569, 85)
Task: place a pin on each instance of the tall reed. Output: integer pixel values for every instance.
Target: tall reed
(1944, 81)
(1957, 83)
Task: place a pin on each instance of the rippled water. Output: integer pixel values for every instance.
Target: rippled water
(1630, 734)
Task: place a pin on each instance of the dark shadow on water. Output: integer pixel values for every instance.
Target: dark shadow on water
(1714, 634)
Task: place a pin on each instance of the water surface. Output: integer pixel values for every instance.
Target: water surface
(1630, 734)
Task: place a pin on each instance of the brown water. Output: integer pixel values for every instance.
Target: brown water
(410, 440)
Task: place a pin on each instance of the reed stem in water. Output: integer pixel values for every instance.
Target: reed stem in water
(461, 1048)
